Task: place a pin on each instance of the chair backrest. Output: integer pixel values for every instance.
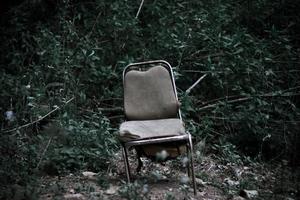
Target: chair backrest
(149, 92)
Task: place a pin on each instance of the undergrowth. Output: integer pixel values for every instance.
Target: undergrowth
(61, 87)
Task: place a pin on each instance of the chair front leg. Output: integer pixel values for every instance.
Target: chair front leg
(192, 164)
(125, 157)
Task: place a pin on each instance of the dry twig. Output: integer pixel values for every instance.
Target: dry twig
(39, 119)
(196, 83)
(140, 8)
(44, 152)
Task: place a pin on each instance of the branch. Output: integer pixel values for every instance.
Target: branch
(44, 152)
(39, 119)
(103, 110)
(140, 8)
(110, 109)
(96, 20)
(204, 56)
(196, 83)
(231, 72)
(248, 98)
(270, 94)
(216, 104)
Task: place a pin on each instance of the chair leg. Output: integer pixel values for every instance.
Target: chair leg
(188, 164)
(140, 162)
(192, 164)
(125, 157)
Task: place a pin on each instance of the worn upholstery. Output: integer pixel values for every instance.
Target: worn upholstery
(149, 94)
(134, 130)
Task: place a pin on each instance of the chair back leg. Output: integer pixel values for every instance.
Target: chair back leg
(125, 158)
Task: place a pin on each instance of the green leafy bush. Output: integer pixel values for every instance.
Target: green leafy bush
(52, 51)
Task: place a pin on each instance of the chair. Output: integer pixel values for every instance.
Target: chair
(152, 111)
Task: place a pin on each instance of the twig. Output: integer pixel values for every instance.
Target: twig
(231, 72)
(96, 20)
(205, 56)
(39, 119)
(246, 99)
(140, 8)
(110, 109)
(271, 94)
(216, 104)
(44, 152)
(196, 83)
(102, 109)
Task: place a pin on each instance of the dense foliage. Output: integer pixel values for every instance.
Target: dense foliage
(67, 57)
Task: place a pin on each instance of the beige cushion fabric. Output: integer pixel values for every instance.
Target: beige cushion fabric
(149, 94)
(133, 130)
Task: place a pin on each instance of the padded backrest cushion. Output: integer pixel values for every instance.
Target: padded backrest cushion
(149, 94)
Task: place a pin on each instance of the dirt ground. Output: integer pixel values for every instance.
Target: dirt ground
(215, 179)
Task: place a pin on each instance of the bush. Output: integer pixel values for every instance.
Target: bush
(249, 49)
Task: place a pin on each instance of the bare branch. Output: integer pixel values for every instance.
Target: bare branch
(248, 98)
(140, 8)
(110, 109)
(39, 119)
(218, 103)
(44, 152)
(196, 83)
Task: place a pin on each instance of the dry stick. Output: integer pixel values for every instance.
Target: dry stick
(39, 119)
(196, 83)
(205, 56)
(244, 99)
(96, 20)
(103, 109)
(223, 71)
(216, 104)
(44, 152)
(271, 94)
(110, 109)
(140, 8)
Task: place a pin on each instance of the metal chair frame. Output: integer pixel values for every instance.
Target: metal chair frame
(187, 138)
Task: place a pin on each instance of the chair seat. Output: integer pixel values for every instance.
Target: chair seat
(138, 130)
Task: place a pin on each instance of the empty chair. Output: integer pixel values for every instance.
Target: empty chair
(152, 113)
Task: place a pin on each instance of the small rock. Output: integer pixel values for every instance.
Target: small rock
(10, 116)
(248, 194)
(238, 198)
(90, 175)
(74, 197)
(145, 189)
(185, 161)
(200, 182)
(230, 182)
(202, 193)
(111, 190)
(184, 179)
(95, 194)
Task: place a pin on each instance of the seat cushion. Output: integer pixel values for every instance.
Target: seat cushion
(149, 95)
(135, 130)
